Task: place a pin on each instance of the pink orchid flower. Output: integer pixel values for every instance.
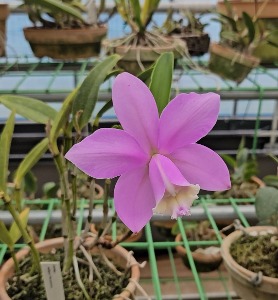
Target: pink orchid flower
(161, 167)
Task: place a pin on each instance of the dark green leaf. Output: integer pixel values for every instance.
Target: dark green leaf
(87, 94)
(250, 26)
(229, 160)
(161, 79)
(5, 144)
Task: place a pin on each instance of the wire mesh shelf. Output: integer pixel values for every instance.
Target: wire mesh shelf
(165, 276)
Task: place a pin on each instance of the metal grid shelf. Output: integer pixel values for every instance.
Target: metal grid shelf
(30, 76)
(165, 277)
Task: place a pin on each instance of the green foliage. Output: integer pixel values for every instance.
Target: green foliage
(62, 13)
(161, 79)
(29, 108)
(267, 205)
(5, 144)
(137, 15)
(243, 167)
(242, 33)
(87, 93)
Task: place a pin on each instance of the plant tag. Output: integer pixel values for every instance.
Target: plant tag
(53, 282)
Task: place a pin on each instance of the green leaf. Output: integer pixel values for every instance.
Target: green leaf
(57, 6)
(229, 160)
(271, 180)
(5, 145)
(61, 119)
(161, 79)
(229, 21)
(30, 183)
(136, 9)
(250, 26)
(14, 230)
(30, 108)
(5, 236)
(266, 204)
(87, 94)
(50, 189)
(29, 161)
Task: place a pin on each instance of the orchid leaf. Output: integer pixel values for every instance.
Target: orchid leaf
(30, 108)
(87, 93)
(249, 25)
(136, 8)
(29, 161)
(5, 236)
(229, 160)
(5, 145)
(14, 230)
(271, 180)
(56, 6)
(161, 79)
(61, 119)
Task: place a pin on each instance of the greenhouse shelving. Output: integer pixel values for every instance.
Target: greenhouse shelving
(165, 276)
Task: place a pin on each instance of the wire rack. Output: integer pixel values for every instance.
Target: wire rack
(165, 276)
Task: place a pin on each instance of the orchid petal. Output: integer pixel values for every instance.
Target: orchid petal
(136, 110)
(107, 153)
(186, 119)
(164, 175)
(134, 199)
(200, 165)
(180, 204)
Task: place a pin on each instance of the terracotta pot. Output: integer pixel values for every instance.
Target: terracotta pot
(66, 44)
(146, 55)
(197, 44)
(241, 277)
(118, 254)
(231, 64)
(204, 262)
(252, 7)
(4, 13)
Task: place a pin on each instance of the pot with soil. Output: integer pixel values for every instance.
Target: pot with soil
(67, 33)
(250, 257)
(4, 13)
(206, 258)
(229, 63)
(124, 279)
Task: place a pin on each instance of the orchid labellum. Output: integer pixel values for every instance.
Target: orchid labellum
(161, 167)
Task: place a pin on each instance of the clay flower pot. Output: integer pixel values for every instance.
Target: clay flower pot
(66, 44)
(4, 13)
(134, 56)
(244, 281)
(205, 261)
(231, 64)
(118, 254)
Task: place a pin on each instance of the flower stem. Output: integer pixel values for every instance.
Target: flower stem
(63, 174)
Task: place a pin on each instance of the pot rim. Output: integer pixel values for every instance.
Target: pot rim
(232, 264)
(7, 269)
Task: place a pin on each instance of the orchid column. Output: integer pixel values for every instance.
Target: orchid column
(161, 167)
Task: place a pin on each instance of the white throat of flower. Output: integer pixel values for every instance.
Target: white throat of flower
(177, 202)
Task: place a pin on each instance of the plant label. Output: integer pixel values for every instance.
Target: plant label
(53, 282)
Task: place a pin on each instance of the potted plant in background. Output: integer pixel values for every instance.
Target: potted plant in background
(250, 254)
(4, 13)
(265, 11)
(61, 32)
(197, 41)
(206, 257)
(244, 170)
(141, 47)
(232, 58)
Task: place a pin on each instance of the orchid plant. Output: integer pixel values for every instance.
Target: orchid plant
(155, 153)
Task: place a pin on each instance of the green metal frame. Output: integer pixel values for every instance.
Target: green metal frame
(151, 246)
